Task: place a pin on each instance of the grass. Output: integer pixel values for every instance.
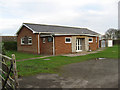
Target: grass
(53, 65)
(21, 55)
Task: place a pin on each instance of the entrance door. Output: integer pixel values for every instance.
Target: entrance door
(103, 43)
(78, 45)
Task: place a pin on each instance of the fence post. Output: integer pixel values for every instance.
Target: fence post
(15, 71)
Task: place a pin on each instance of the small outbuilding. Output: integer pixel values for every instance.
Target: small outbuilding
(106, 43)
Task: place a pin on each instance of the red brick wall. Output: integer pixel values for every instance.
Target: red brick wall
(8, 38)
(61, 47)
(47, 47)
(94, 44)
(27, 48)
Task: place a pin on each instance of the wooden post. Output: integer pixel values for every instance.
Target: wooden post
(15, 71)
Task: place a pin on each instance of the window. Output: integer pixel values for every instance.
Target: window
(67, 40)
(26, 40)
(43, 40)
(22, 40)
(30, 40)
(90, 39)
(50, 39)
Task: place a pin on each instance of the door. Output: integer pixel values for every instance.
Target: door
(78, 45)
(103, 43)
(110, 43)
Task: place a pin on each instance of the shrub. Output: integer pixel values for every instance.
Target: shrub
(2, 48)
(10, 45)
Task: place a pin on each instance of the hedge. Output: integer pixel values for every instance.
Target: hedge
(10, 45)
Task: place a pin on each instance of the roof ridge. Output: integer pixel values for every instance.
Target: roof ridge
(57, 26)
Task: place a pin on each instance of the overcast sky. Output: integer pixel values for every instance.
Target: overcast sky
(97, 15)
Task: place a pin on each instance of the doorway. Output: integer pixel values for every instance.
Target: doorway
(78, 45)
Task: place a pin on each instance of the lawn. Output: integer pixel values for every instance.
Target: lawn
(21, 55)
(53, 65)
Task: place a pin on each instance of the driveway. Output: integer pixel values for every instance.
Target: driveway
(88, 74)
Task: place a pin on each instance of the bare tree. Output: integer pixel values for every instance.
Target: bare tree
(111, 33)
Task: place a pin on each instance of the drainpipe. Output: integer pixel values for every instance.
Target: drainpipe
(38, 43)
(53, 45)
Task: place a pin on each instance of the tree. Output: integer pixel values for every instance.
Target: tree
(111, 33)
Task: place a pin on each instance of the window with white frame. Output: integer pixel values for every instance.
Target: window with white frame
(43, 40)
(26, 40)
(29, 40)
(90, 40)
(67, 39)
(22, 40)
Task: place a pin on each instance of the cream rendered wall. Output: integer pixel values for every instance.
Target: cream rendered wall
(86, 44)
(73, 44)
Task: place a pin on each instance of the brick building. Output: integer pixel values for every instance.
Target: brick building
(55, 40)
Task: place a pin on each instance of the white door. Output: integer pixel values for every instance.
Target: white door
(78, 45)
(110, 43)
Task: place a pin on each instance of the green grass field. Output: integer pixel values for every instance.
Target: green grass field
(21, 55)
(53, 65)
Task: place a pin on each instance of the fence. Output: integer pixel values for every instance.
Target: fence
(8, 73)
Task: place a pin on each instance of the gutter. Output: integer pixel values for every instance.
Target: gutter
(53, 45)
(38, 43)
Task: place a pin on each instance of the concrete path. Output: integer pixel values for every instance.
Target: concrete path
(88, 74)
(83, 53)
(32, 58)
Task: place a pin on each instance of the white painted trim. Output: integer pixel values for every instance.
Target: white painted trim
(75, 34)
(28, 27)
(45, 35)
(78, 50)
(28, 41)
(96, 40)
(78, 45)
(38, 44)
(66, 38)
(21, 41)
(19, 29)
(25, 26)
(43, 40)
(53, 46)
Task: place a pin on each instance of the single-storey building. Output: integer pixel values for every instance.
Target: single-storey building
(55, 40)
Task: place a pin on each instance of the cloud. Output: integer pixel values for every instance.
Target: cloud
(98, 15)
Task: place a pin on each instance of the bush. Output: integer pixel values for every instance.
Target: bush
(11, 45)
(2, 48)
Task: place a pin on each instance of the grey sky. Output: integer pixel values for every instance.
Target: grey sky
(97, 15)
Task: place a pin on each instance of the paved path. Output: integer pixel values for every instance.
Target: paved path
(83, 53)
(88, 74)
(32, 58)
(70, 55)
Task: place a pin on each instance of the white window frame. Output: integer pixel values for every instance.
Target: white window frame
(90, 41)
(22, 41)
(43, 40)
(67, 38)
(29, 38)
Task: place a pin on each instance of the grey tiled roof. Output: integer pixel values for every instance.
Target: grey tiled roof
(59, 29)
